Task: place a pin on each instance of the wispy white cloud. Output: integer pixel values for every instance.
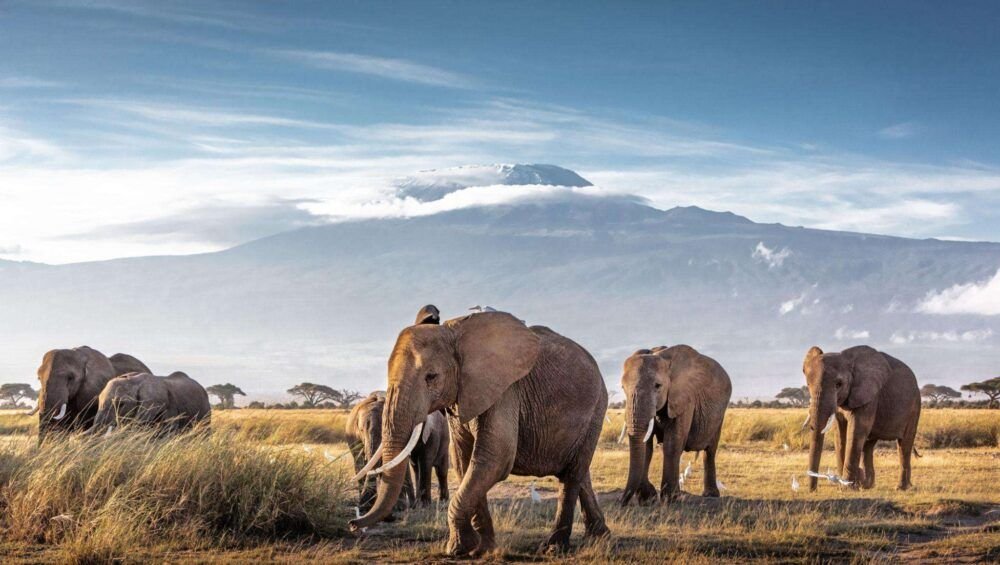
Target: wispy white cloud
(789, 306)
(901, 130)
(771, 257)
(982, 298)
(28, 82)
(193, 115)
(383, 67)
(844, 333)
(969, 336)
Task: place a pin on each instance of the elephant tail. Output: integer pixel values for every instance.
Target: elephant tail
(917, 453)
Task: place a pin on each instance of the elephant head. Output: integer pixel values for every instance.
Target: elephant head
(364, 427)
(135, 397)
(849, 379)
(428, 315)
(71, 380)
(650, 385)
(463, 366)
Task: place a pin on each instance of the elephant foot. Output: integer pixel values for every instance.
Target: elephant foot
(557, 543)
(904, 486)
(462, 541)
(486, 547)
(711, 493)
(646, 494)
(596, 531)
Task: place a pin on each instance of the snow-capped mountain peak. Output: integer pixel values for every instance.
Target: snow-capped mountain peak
(434, 184)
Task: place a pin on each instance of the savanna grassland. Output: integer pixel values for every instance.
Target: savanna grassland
(267, 486)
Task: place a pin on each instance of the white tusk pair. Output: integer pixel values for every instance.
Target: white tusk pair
(375, 458)
(414, 437)
(61, 414)
(649, 431)
(828, 424)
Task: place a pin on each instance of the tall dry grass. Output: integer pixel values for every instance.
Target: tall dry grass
(280, 427)
(100, 498)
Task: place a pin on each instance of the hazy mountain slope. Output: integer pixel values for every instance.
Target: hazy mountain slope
(325, 303)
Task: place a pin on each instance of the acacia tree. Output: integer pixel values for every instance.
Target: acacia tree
(989, 387)
(226, 394)
(313, 394)
(13, 393)
(797, 396)
(938, 393)
(347, 398)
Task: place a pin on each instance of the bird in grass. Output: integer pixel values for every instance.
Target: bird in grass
(832, 477)
(785, 446)
(535, 497)
(687, 471)
(721, 486)
(306, 448)
(795, 484)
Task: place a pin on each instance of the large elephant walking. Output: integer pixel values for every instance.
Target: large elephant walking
(176, 402)
(871, 396)
(71, 380)
(521, 400)
(678, 396)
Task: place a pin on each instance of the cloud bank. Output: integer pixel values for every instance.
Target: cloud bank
(981, 298)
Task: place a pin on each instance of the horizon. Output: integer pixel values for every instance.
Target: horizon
(264, 118)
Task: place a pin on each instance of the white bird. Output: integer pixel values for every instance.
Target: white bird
(832, 477)
(607, 419)
(785, 446)
(306, 448)
(795, 484)
(687, 471)
(478, 308)
(357, 512)
(535, 497)
(719, 484)
(62, 518)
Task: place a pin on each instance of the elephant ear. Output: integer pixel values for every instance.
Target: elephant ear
(495, 350)
(813, 353)
(869, 373)
(680, 385)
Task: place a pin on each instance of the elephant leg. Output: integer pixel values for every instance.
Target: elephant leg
(442, 476)
(482, 523)
(840, 443)
(905, 447)
(711, 480)
(424, 476)
(670, 489)
(593, 518)
(858, 428)
(647, 492)
(569, 493)
(869, 481)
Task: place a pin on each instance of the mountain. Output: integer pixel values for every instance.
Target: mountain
(325, 303)
(434, 184)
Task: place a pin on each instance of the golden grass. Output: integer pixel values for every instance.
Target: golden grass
(251, 493)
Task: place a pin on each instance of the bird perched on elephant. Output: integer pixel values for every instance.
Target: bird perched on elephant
(520, 400)
(678, 396)
(71, 380)
(175, 402)
(871, 396)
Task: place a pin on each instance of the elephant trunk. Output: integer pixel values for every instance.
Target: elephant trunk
(820, 419)
(401, 427)
(52, 409)
(636, 467)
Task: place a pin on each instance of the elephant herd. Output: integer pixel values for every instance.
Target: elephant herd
(513, 399)
(494, 397)
(82, 389)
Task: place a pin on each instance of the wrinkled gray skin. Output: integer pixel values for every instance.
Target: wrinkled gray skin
(686, 394)
(75, 377)
(364, 435)
(872, 396)
(174, 403)
(520, 400)
(125, 364)
(430, 458)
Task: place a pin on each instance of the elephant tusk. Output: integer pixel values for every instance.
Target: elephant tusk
(828, 424)
(649, 431)
(621, 436)
(806, 423)
(376, 457)
(61, 414)
(402, 454)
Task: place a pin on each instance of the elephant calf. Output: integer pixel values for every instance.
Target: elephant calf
(871, 396)
(429, 455)
(680, 396)
(176, 402)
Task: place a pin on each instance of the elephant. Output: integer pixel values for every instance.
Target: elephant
(175, 402)
(429, 455)
(520, 400)
(125, 363)
(679, 396)
(71, 380)
(428, 315)
(872, 396)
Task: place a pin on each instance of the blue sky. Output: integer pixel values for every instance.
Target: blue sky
(119, 118)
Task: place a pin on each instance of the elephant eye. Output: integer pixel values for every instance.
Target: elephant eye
(658, 386)
(430, 377)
